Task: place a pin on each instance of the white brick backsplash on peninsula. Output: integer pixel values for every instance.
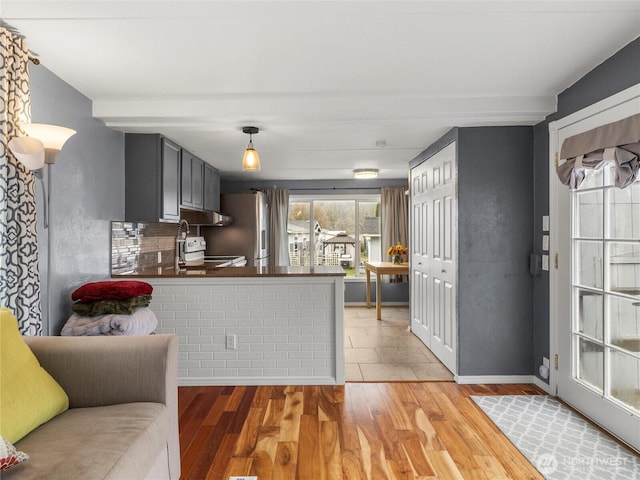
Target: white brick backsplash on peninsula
(289, 329)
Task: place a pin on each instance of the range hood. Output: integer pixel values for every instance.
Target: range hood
(206, 217)
(220, 220)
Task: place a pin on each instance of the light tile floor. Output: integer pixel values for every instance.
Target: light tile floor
(384, 350)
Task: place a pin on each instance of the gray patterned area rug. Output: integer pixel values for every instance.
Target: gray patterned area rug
(557, 441)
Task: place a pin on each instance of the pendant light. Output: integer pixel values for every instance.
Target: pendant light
(250, 160)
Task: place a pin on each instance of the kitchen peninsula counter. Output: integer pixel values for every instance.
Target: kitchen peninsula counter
(236, 272)
(252, 326)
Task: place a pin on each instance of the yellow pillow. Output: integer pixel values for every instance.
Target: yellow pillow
(29, 396)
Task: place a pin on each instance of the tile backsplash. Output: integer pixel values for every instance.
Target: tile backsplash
(136, 246)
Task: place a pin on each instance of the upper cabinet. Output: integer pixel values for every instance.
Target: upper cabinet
(152, 178)
(161, 177)
(192, 181)
(211, 188)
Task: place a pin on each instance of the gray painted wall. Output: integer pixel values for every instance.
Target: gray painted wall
(540, 292)
(87, 192)
(495, 205)
(617, 73)
(355, 292)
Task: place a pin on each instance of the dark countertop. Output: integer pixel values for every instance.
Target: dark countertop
(235, 272)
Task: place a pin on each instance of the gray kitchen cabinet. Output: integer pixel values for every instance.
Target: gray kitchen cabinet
(211, 188)
(192, 181)
(152, 178)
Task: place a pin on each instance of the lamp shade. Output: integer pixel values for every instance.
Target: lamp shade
(250, 159)
(52, 136)
(29, 151)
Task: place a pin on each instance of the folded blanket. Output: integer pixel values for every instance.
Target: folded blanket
(118, 290)
(142, 322)
(104, 307)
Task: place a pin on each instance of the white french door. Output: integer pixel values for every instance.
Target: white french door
(595, 287)
(433, 263)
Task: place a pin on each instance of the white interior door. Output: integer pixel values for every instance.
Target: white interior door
(433, 255)
(596, 286)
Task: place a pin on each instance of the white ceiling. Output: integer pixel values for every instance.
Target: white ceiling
(325, 81)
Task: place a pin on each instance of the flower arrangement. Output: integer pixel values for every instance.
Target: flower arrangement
(397, 252)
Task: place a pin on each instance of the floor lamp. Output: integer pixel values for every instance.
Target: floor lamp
(41, 147)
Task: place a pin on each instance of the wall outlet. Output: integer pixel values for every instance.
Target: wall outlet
(232, 344)
(545, 362)
(159, 257)
(545, 263)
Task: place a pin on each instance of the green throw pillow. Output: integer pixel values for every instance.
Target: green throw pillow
(29, 396)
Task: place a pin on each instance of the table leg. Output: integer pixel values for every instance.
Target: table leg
(368, 288)
(378, 297)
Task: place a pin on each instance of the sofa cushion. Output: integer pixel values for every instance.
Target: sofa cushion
(113, 442)
(29, 396)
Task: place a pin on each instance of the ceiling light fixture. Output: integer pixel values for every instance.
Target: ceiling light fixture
(366, 173)
(250, 160)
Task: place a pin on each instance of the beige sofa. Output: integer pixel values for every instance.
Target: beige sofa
(122, 422)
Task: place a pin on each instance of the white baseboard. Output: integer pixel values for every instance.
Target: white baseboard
(250, 381)
(541, 384)
(476, 379)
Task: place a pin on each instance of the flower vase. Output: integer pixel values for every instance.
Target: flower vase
(397, 259)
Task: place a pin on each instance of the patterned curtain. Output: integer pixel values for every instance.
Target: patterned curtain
(19, 276)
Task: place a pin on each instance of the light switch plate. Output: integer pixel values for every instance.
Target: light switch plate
(545, 263)
(545, 243)
(545, 223)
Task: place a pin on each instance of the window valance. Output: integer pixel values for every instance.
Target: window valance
(616, 143)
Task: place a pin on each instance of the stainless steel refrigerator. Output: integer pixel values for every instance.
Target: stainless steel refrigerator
(248, 233)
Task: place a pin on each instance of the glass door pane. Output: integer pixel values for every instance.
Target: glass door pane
(606, 286)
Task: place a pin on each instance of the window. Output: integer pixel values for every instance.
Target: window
(339, 231)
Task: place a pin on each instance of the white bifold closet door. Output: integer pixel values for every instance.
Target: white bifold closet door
(433, 257)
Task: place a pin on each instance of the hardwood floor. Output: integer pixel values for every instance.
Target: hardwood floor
(372, 431)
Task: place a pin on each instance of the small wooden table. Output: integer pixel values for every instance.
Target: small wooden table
(382, 268)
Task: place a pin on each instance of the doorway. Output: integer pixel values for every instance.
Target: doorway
(595, 282)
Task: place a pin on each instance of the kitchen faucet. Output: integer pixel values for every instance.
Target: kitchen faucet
(180, 238)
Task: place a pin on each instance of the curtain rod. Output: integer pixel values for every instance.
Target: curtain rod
(321, 189)
(332, 188)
